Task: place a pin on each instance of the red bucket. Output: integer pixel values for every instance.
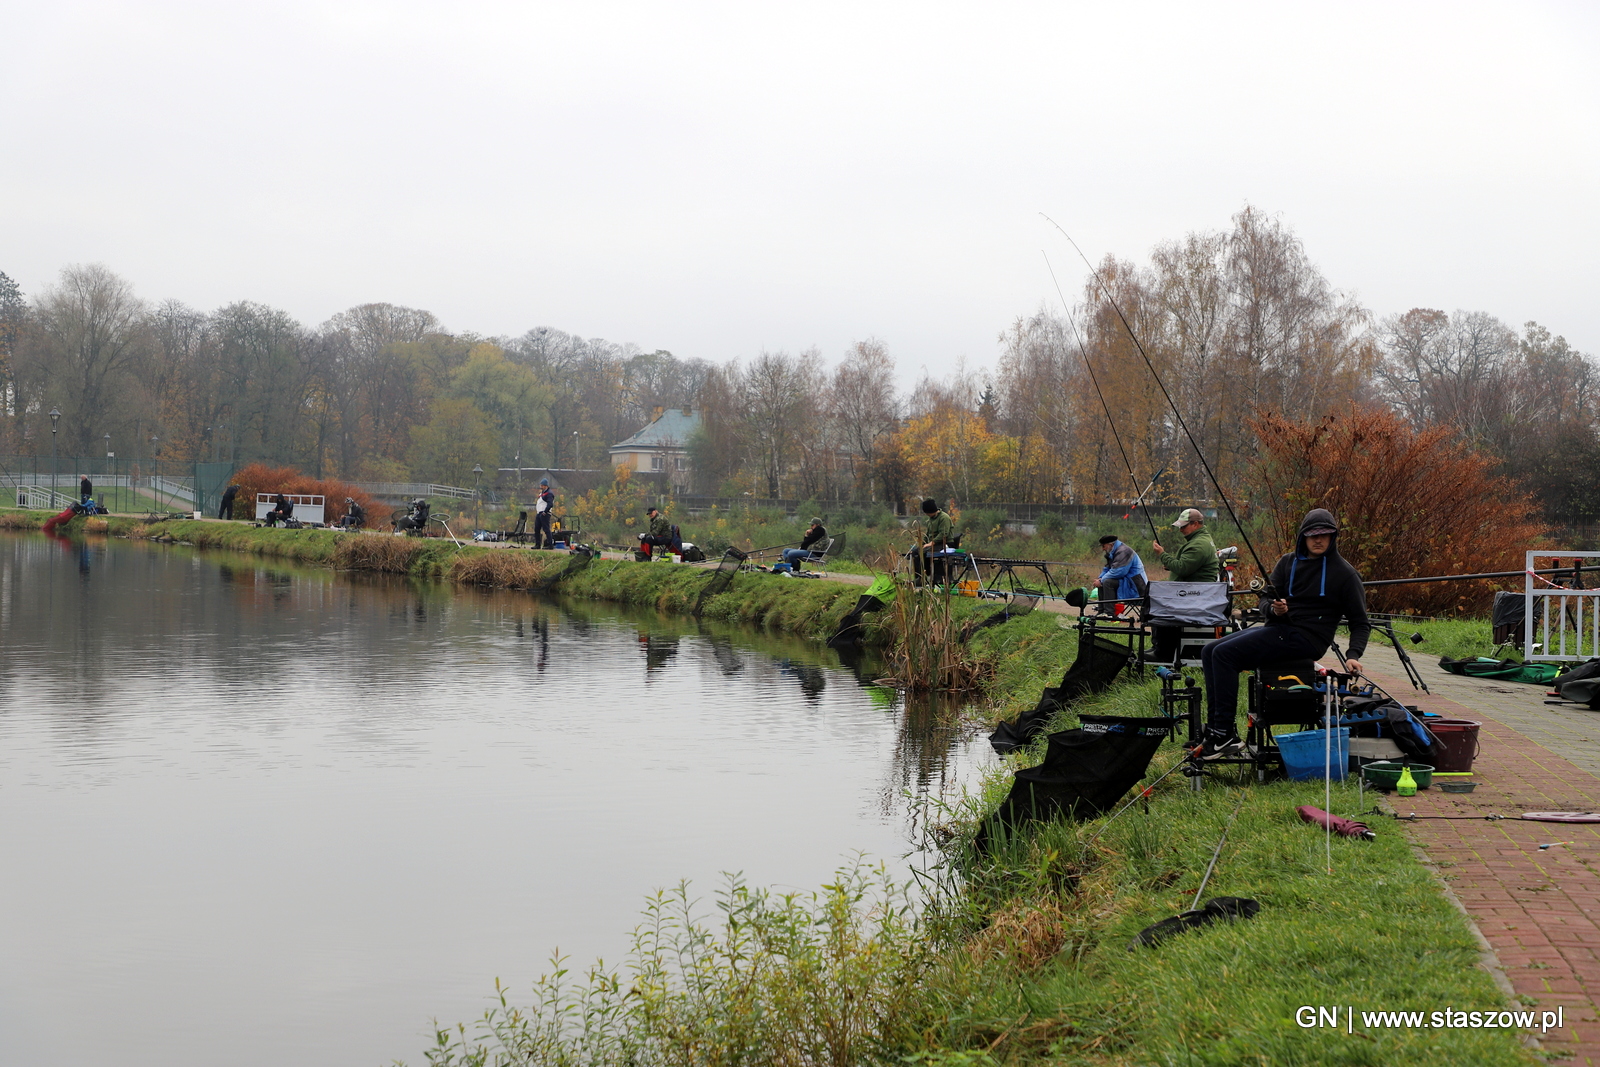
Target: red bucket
(1455, 743)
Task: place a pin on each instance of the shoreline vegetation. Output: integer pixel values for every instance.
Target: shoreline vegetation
(1017, 956)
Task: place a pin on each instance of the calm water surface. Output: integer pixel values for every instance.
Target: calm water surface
(255, 815)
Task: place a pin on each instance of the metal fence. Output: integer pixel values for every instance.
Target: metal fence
(1562, 624)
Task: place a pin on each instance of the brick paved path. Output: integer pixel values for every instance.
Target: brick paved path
(1538, 908)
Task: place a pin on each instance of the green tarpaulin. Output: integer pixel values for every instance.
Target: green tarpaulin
(1508, 670)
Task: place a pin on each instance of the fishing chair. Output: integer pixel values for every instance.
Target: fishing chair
(1280, 694)
(817, 555)
(1183, 618)
(519, 532)
(947, 561)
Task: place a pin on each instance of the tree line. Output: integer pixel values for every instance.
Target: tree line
(1229, 325)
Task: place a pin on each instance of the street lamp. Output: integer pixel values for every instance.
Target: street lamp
(112, 465)
(55, 467)
(477, 501)
(155, 450)
(577, 451)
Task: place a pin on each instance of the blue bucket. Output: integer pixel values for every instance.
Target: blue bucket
(1304, 752)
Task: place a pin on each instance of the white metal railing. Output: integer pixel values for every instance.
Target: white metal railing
(412, 489)
(1565, 621)
(37, 496)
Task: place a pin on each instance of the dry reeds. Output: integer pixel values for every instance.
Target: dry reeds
(503, 569)
(930, 646)
(18, 522)
(376, 552)
(97, 525)
(1025, 934)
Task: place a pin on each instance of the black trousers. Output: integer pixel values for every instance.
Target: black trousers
(541, 531)
(1223, 659)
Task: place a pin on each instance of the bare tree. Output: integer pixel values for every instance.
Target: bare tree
(861, 401)
(776, 391)
(92, 328)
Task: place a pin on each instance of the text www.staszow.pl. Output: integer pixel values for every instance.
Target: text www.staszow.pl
(1314, 1016)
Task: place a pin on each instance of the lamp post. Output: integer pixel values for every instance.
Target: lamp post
(111, 466)
(577, 451)
(55, 466)
(477, 501)
(155, 450)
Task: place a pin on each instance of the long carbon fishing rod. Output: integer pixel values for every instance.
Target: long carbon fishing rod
(1199, 453)
(1095, 379)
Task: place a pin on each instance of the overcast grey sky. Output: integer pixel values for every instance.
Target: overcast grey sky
(721, 179)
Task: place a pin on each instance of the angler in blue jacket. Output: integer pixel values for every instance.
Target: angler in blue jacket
(1315, 590)
(1123, 576)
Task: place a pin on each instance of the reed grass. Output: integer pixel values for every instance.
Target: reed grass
(383, 553)
(500, 568)
(930, 650)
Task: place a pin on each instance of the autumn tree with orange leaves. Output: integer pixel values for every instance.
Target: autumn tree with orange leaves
(1410, 503)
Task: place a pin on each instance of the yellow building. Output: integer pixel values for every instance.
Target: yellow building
(661, 448)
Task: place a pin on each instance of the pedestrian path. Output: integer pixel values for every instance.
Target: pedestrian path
(1531, 888)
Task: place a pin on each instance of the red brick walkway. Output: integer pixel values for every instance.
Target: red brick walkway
(1538, 908)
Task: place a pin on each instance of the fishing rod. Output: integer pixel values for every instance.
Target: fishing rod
(1182, 423)
(1095, 379)
(1218, 853)
(1475, 577)
(1140, 499)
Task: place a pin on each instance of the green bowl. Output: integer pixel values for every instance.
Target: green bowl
(1385, 774)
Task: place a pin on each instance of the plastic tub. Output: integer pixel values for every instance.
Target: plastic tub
(1304, 754)
(1386, 775)
(1455, 743)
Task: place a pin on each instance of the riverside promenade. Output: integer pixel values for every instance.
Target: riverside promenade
(1531, 888)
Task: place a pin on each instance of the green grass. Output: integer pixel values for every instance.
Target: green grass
(1375, 932)
(1453, 638)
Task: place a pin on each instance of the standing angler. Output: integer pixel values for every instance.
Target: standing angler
(542, 537)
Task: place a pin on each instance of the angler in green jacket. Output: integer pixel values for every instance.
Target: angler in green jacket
(1196, 559)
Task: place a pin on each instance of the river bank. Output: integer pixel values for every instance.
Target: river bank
(1019, 956)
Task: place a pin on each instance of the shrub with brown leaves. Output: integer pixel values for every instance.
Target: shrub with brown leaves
(1409, 503)
(260, 478)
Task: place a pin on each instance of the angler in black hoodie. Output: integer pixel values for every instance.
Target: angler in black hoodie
(1316, 588)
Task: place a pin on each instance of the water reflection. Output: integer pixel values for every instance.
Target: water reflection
(384, 793)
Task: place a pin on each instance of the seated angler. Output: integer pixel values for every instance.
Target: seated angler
(660, 532)
(1195, 560)
(355, 516)
(1315, 589)
(1122, 578)
(282, 511)
(814, 534)
(938, 533)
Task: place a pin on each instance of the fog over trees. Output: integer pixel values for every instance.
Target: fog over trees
(1235, 323)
